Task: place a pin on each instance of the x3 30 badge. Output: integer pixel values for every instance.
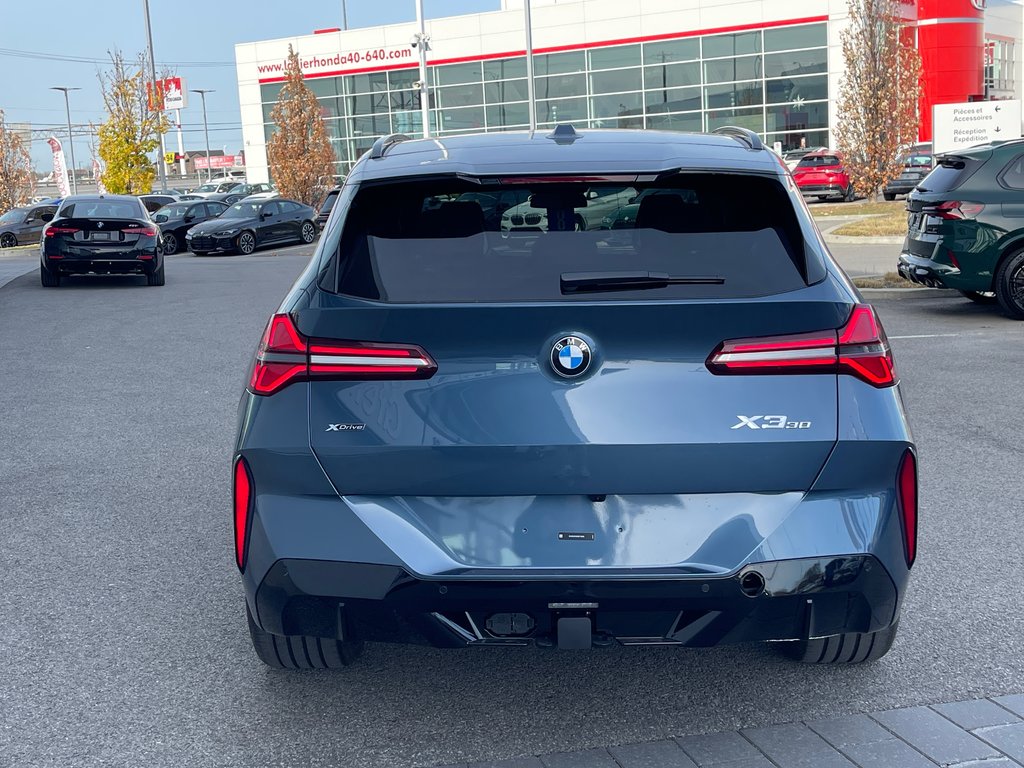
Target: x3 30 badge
(769, 422)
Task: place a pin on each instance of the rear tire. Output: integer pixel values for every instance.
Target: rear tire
(170, 243)
(849, 648)
(1010, 285)
(299, 651)
(156, 277)
(850, 195)
(48, 278)
(889, 196)
(7, 240)
(980, 297)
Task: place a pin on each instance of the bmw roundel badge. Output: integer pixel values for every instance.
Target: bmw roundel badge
(570, 356)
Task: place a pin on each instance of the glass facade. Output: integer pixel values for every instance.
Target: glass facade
(773, 81)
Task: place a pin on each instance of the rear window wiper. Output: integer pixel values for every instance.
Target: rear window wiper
(590, 282)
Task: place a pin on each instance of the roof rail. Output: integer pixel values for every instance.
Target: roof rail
(745, 135)
(384, 143)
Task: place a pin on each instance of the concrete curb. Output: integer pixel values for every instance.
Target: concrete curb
(907, 293)
(866, 240)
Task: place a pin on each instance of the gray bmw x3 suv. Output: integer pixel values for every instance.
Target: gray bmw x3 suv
(688, 432)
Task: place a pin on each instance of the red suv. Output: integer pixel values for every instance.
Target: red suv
(822, 174)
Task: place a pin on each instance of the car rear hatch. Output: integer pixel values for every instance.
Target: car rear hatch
(440, 397)
(101, 238)
(936, 200)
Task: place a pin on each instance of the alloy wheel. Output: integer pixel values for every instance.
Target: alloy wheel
(308, 233)
(246, 243)
(8, 240)
(170, 243)
(1017, 286)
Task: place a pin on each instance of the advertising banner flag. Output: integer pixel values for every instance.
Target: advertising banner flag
(170, 94)
(60, 168)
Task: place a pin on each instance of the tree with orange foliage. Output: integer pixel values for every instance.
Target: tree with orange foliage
(299, 152)
(878, 97)
(16, 178)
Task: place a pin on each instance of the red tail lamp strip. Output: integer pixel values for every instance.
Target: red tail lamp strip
(243, 511)
(285, 356)
(859, 349)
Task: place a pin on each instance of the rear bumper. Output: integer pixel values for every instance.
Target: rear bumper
(804, 598)
(935, 274)
(901, 187)
(142, 261)
(822, 189)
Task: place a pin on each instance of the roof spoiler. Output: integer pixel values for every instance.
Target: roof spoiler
(384, 143)
(745, 135)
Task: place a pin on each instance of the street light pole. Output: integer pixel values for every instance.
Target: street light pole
(202, 94)
(344, 14)
(530, 94)
(71, 143)
(157, 101)
(423, 45)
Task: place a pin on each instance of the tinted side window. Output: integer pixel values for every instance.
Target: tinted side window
(271, 209)
(215, 209)
(289, 207)
(1013, 175)
(329, 202)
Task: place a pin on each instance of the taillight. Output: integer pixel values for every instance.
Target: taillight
(147, 231)
(285, 356)
(906, 490)
(859, 349)
(51, 231)
(955, 209)
(243, 510)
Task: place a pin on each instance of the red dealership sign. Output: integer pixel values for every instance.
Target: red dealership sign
(218, 161)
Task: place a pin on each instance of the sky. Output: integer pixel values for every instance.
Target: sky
(194, 38)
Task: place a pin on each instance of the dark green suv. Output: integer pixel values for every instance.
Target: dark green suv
(965, 226)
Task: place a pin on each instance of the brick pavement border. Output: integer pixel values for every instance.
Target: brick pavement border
(978, 733)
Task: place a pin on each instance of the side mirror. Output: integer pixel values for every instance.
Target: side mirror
(189, 218)
(47, 217)
(632, 200)
(591, 194)
(264, 216)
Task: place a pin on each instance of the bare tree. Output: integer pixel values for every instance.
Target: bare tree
(300, 154)
(17, 182)
(878, 97)
(132, 129)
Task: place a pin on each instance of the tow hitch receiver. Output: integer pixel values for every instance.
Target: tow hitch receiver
(575, 633)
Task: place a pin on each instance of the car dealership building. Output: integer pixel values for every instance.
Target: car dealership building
(689, 65)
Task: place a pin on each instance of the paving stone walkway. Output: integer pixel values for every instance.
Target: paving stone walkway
(983, 733)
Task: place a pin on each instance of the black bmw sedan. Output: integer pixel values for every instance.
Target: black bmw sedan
(246, 225)
(101, 234)
(177, 218)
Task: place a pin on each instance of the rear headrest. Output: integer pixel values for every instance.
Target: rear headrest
(668, 213)
(460, 218)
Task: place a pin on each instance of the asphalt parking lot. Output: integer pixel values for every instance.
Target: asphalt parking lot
(124, 631)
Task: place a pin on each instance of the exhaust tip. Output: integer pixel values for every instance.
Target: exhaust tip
(752, 583)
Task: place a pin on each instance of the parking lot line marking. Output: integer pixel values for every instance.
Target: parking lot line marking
(926, 336)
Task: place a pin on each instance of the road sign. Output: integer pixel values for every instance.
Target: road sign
(956, 126)
(169, 157)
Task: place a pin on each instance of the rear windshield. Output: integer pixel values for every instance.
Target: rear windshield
(950, 173)
(102, 209)
(818, 161)
(918, 161)
(456, 241)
